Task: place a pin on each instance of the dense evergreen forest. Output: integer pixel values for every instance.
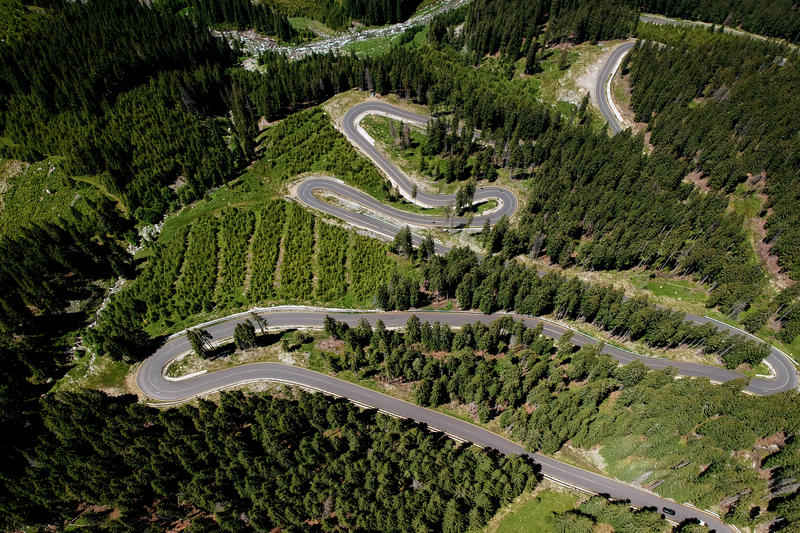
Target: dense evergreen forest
(142, 103)
(775, 18)
(256, 463)
(512, 27)
(507, 372)
(340, 14)
(728, 107)
(91, 80)
(236, 14)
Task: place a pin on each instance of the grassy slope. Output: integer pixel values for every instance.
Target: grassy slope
(560, 88)
(315, 26)
(531, 511)
(95, 372)
(378, 45)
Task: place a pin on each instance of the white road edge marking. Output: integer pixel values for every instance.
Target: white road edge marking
(608, 89)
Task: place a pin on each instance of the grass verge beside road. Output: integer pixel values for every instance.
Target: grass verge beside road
(531, 511)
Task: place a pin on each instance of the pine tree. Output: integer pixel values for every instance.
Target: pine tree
(200, 340)
(244, 335)
(531, 61)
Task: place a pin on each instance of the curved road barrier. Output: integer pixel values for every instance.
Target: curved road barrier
(151, 381)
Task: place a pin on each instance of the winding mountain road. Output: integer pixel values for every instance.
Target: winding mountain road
(602, 89)
(785, 370)
(386, 220)
(151, 381)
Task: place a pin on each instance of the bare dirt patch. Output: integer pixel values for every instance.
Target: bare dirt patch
(330, 345)
(396, 388)
(758, 227)
(132, 388)
(263, 123)
(587, 73)
(696, 178)
(773, 442)
(8, 170)
(592, 455)
(612, 398)
(587, 459)
(442, 303)
(770, 260)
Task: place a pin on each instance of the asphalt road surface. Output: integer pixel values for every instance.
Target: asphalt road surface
(151, 381)
(601, 89)
(786, 373)
(150, 377)
(375, 223)
(507, 201)
(386, 220)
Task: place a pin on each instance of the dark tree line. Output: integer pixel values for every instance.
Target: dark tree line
(239, 14)
(79, 54)
(472, 376)
(255, 463)
(44, 266)
(339, 15)
(445, 138)
(44, 270)
(495, 284)
(378, 12)
(776, 18)
(124, 91)
(512, 27)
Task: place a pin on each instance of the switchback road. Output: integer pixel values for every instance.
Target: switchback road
(386, 220)
(786, 372)
(151, 381)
